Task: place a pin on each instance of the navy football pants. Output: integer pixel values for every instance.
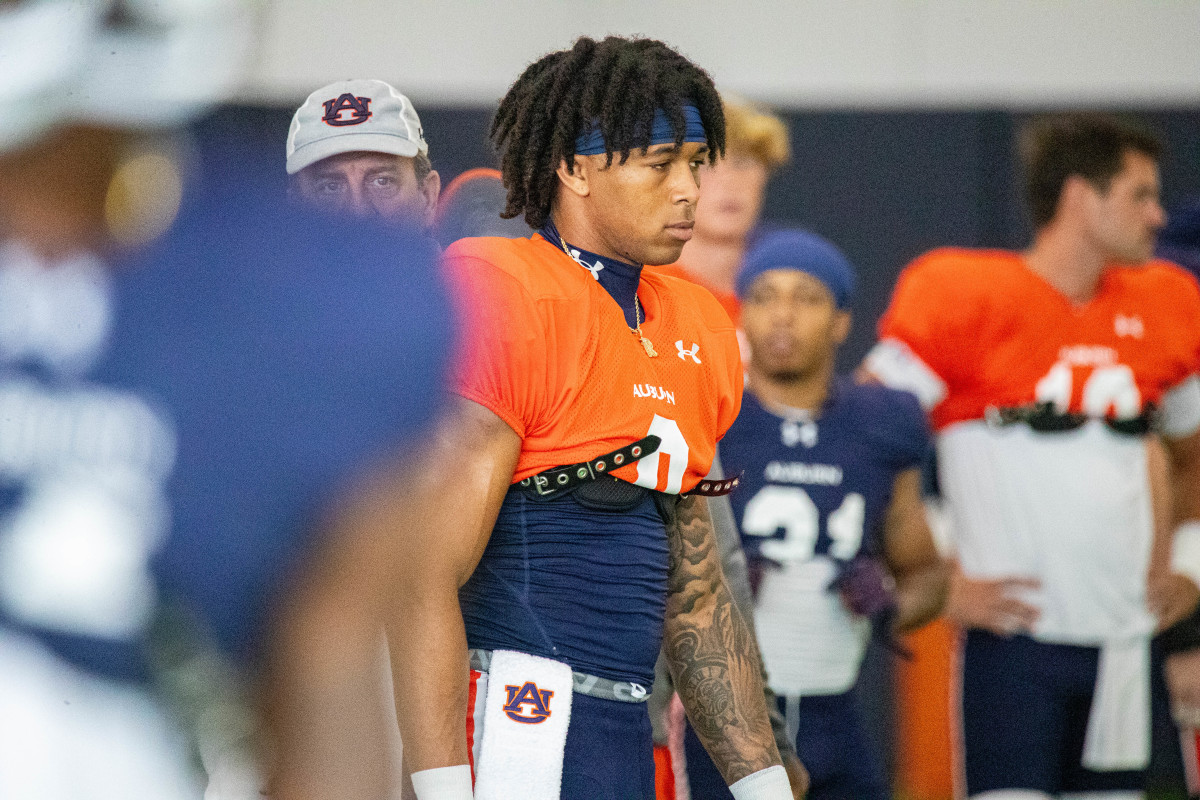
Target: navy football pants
(610, 751)
(1025, 707)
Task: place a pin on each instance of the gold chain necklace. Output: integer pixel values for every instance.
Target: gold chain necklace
(637, 309)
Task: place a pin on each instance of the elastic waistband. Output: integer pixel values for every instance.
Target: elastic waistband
(592, 686)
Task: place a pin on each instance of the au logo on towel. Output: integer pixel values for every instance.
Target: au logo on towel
(528, 695)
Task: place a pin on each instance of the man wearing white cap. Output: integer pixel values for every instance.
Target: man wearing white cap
(357, 147)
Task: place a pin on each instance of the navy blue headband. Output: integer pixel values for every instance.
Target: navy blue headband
(591, 141)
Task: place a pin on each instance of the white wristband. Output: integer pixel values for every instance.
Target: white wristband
(443, 783)
(1185, 550)
(766, 784)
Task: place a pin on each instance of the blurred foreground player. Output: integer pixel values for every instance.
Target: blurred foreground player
(357, 147)
(555, 581)
(1045, 373)
(197, 481)
(829, 509)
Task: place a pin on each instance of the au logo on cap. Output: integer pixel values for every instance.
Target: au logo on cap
(528, 695)
(359, 108)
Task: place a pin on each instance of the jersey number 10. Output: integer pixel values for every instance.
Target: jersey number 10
(1107, 389)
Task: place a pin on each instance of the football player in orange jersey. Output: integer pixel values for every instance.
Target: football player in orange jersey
(555, 581)
(1046, 373)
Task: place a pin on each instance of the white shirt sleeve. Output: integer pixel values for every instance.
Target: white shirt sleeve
(897, 366)
(1181, 408)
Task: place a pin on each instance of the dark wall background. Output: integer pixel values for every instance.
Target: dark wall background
(885, 186)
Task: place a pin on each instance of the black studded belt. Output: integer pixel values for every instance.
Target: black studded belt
(556, 482)
(560, 480)
(707, 488)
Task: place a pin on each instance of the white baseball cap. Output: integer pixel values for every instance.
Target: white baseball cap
(350, 116)
(128, 64)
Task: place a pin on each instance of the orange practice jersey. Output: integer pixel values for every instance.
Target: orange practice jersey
(997, 334)
(550, 353)
(986, 332)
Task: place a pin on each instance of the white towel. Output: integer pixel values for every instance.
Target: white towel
(526, 714)
(1118, 730)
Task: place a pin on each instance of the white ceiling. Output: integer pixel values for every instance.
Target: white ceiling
(800, 53)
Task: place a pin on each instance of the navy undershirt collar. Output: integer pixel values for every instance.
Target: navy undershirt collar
(619, 279)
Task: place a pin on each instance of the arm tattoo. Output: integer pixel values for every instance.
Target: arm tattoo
(712, 652)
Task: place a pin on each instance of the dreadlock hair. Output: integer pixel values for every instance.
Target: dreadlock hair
(618, 82)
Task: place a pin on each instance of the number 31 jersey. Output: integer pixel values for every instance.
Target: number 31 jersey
(814, 492)
(1038, 405)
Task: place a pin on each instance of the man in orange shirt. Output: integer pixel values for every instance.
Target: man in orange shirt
(555, 581)
(1046, 375)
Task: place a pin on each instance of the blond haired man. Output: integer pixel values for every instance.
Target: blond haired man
(732, 192)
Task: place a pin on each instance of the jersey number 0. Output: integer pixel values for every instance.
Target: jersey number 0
(674, 447)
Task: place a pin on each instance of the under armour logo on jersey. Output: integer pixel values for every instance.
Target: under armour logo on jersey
(528, 694)
(793, 433)
(359, 108)
(685, 354)
(594, 268)
(1129, 326)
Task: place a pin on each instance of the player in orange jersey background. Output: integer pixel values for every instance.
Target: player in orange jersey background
(1045, 373)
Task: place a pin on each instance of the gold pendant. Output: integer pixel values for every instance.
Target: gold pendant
(648, 345)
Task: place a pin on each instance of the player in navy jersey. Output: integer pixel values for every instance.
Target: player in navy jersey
(199, 485)
(829, 509)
